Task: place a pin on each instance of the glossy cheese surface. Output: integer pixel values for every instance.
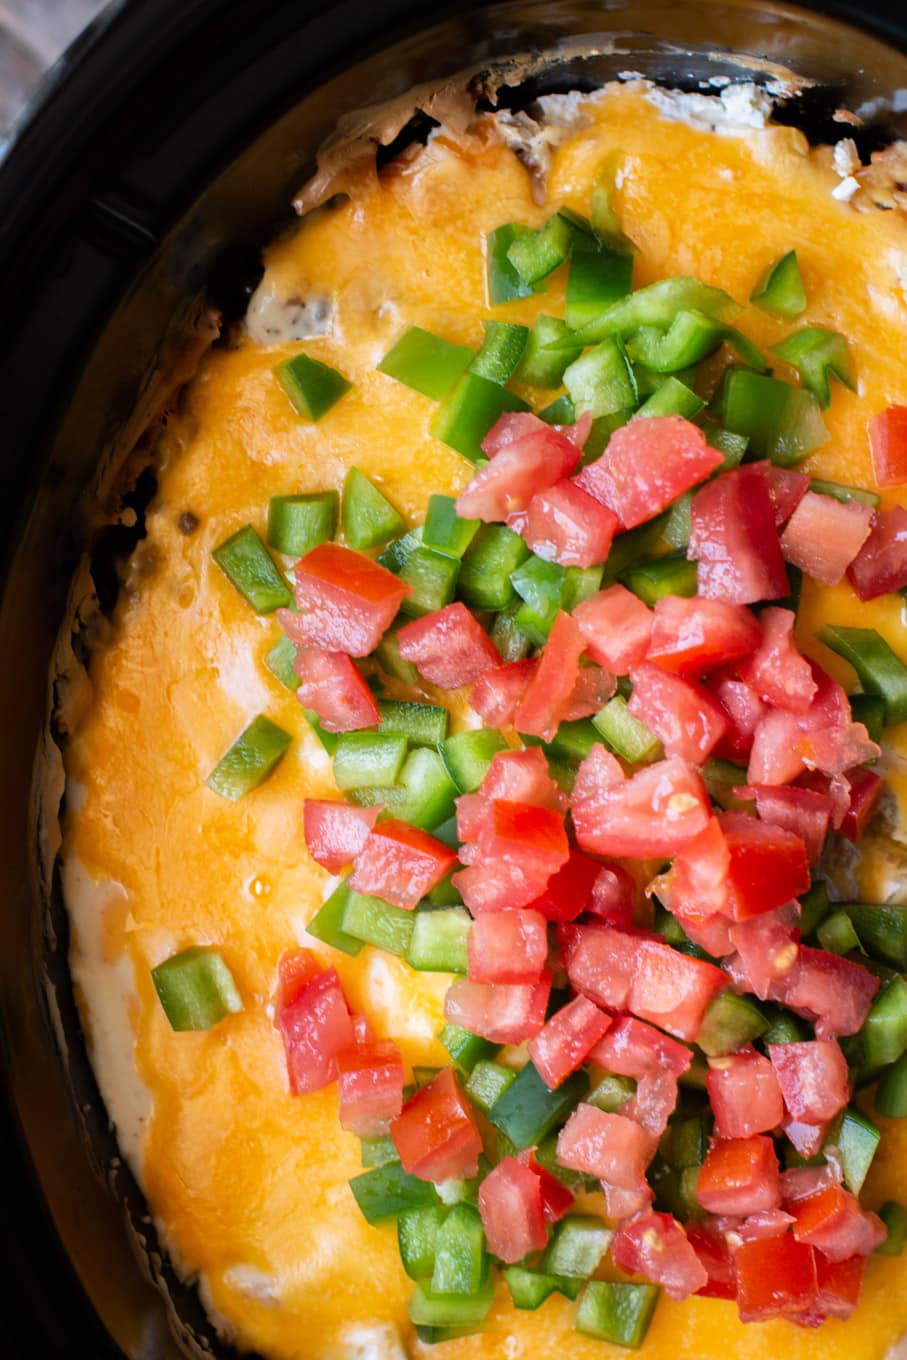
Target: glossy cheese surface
(248, 1183)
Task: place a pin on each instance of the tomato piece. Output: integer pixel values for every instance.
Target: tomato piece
(657, 1246)
(594, 687)
(767, 952)
(866, 788)
(768, 865)
(616, 626)
(888, 445)
(744, 1094)
(504, 1013)
(715, 1256)
(531, 837)
(512, 1211)
(776, 1277)
(744, 711)
(370, 1085)
(448, 648)
(646, 465)
(806, 1139)
(565, 1041)
(734, 539)
(347, 601)
(535, 457)
(570, 889)
(881, 565)
(614, 896)
(435, 1133)
(608, 1146)
(335, 832)
(564, 524)
(548, 693)
(672, 990)
(330, 685)
(740, 1176)
(507, 946)
(681, 712)
(835, 993)
(401, 864)
(296, 970)
(695, 636)
(833, 1222)
(522, 777)
(822, 738)
(803, 812)
(787, 489)
(496, 695)
(840, 1285)
(599, 963)
(813, 1077)
(824, 535)
(634, 1049)
(315, 1026)
(557, 1200)
(777, 671)
(653, 814)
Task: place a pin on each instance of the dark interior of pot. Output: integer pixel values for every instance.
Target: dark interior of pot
(182, 164)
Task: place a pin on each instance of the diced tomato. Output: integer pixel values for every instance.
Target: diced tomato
(681, 712)
(776, 1277)
(556, 1198)
(806, 1139)
(739, 867)
(646, 465)
(715, 1256)
(833, 1222)
(594, 687)
(449, 648)
(833, 992)
(834, 787)
(744, 710)
(888, 445)
(335, 832)
(535, 457)
(624, 1202)
(767, 951)
(744, 1094)
(672, 990)
(346, 601)
(569, 890)
(295, 971)
(777, 671)
(881, 565)
(599, 962)
(564, 524)
(401, 864)
(653, 814)
(507, 429)
(634, 1049)
(507, 946)
(616, 626)
(740, 1176)
(694, 636)
(370, 1083)
(315, 1026)
(787, 489)
(496, 695)
(435, 1133)
(531, 838)
(551, 685)
(607, 1146)
(802, 1181)
(614, 896)
(804, 812)
(767, 1223)
(564, 1043)
(657, 1246)
(496, 884)
(504, 1013)
(734, 539)
(522, 777)
(512, 1210)
(840, 1285)
(824, 536)
(866, 788)
(330, 685)
(776, 755)
(823, 738)
(813, 1077)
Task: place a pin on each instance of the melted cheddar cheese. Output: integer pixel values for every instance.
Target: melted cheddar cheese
(248, 1183)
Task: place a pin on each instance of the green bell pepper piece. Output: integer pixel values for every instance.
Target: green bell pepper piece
(780, 291)
(817, 354)
(882, 930)
(444, 531)
(429, 1309)
(537, 254)
(422, 724)
(248, 565)
(651, 581)
(378, 1151)
(857, 1140)
(398, 552)
(366, 760)
(425, 362)
(417, 1237)
(279, 661)
(195, 989)
(467, 756)
(502, 280)
(577, 1246)
(730, 1022)
(891, 1092)
(894, 1216)
(672, 398)
(800, 431)
(487, 1083)
(836, 934)
(386, 1191)
(814, 907)
(601, 381)
(466, 1049)
(628, 548)
(839, 491)
(530, 1288)
(620, 1313)
(438, 940)
(879, 669)
(528, 1109)
(656, 305)
(501, 351)
(883, 1037)
(493, 556)
(611, 1093)
(461, 1262)
(540, 585)
(387, 654)
(511, 641)
(573, 740)
(313, 387)
(580, 583)
(468, 412)
(624, 734)
(433, 578)
(869, 709)
(691, 337)
(561, 411)
(596, 279)
(368, 518)
(542, 366)
(376, 922)
(297, 524)
(252, 758)
(325, 924)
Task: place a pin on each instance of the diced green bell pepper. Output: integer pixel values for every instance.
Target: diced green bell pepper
(882, 929)
(248, 565)
(783, 1028)
(313, 387)
(814, 907)
(387, 654)
(580, 583)
(422, 724)
(417, 1237)
(365, 760)
(836, 934)
(368, 518)
(511, 641)
(577, 1247)
(620, 1313)
(432, 577)
(656, 305)
(528, 1109)
(731, 446)
(869, 709)
(468, 412)
(596, 279)
(652, 581)
(780, 291)
(891, 1092)
(398, 552)
(493, 556)
(530, 1288)
(501, 351)
(839, 491)
(857, 1140)
(540, 585)
(376, 922)
(883, 1037)
(461, 1261)
(467, 756)
(327, 740)
(428, 1309)
(427, 792)
(691, 337)
(817, 353)
(611, 1093)
(279, 661)
(438, 940)
(502, 280)
(679, 526)
(894, 1216)
(800, 432)
(626, 735)
(196, 989)
(879, 669)
(672, 398)
(487, 1083)
(542, 366)
(325, 924)
(377, 1151)
(628, 548)
(297, 524)
(690, 1140)
(730, 1022)
(752, 404)
(444, 531)
(601, 381)
(573, 740)
(425, 362)
(386, 1191)
(466, 1049)
(561, 411)
(537, 254)
(252, 758)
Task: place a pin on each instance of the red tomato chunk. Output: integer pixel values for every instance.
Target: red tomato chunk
(776, 1277)
(513, 1211)
(330, 685)
(744, 1094)
(505, 1013)
(776, 670)
(813, 1077)
(672, 990)
(544, 704)
(646, 465)
(881, 565)
(564, 524)
(565, 1042)
(435, 1134)
(734, 539)
(653, 814)
(496, 695)
(315, 1026)
(448, 648)
(401, 864)
(888, 443)
(833, 992)
(695, 636)
(507, 946)
(570, 889)
(347, 601)
(370, 1084)
(657, 1246)
(335, 832)
(833, 1222)
(607, 1146)
(681, 712)
(525, 458)
(616, 626)
(824, 536)
(740, 1176)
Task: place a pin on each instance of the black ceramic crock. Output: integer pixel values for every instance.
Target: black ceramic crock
(158, 157)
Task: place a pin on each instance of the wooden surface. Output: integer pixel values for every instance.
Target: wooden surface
(33, 33)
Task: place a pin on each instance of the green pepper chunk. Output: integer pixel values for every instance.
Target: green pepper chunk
(839, 491)
(882, 930)
(196, 989)
(430, 1309)
(620, 1313)
(883, 1037)
(313, 387)
(530, 1288)
(537, 254)
(400, 550)
(444, 531)
(891, 1092)
(438, 940)
(528, 1109)
(422, 724)
(366, 760)
(467, 756)
(780, 291)
(691, 336)
(487, 566)
(376, 922)
(542, 366)
(680, 524)
(540, 585)
(814, 907)
(296, 524)
(577, 1247)
(753, 405)
(596, 279)
(427, 792)
(894, 1216)
(248, 565)
(387, 654)
(573, 740)
(836, 934)
(280, 662)
(730, 1022)
(601, 381)
(252, 758)
(501, 351)
(817, 354)
(468, 412)
(869, 709)
(432, 577)
(580, 583)
(425, 362)
(368, 518)
(624, 734)
(672, 398)
(629, 548)
(327, 740)
(377, 1151)
(507, 635)
(656, 305)
(880, 670)
(502, 280)
(487, 1083)
(466, 1049)
(561, 411)
(417, 1237)
(386, 1191)
(611, 1093)
(461, 1261)
(326, 925)
(651, 581)
(857, 1140)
